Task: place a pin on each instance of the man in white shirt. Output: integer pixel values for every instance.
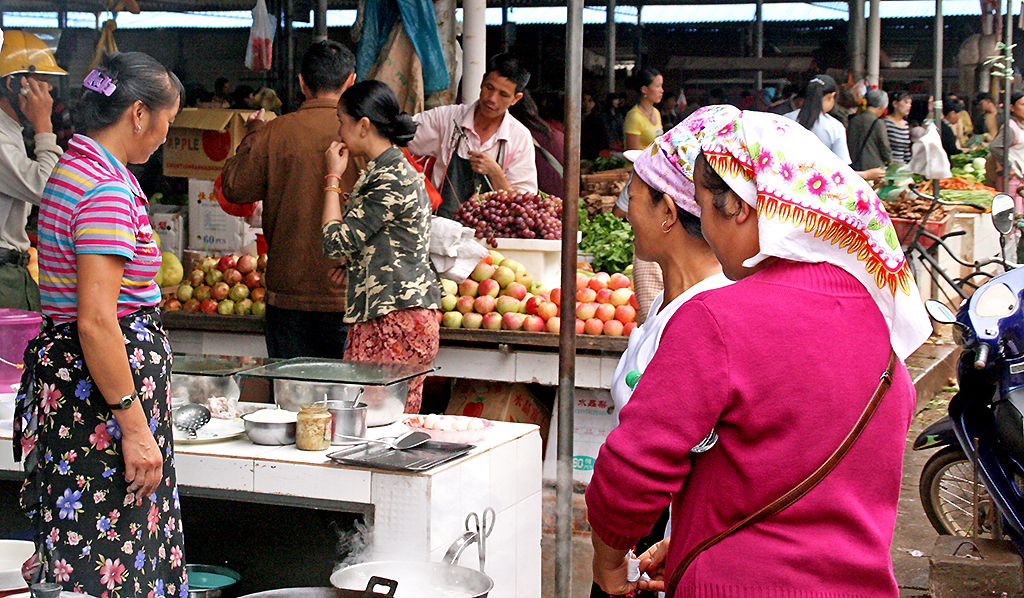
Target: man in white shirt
(479, 147)
(25, 62)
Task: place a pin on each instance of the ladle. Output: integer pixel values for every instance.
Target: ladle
(190, 417)
(410, 439)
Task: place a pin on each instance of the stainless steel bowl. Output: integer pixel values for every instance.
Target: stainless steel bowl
(384, 404)
(270, 433)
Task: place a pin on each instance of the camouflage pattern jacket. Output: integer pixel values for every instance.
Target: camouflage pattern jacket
(384, 238)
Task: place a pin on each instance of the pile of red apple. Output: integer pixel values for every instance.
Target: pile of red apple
(501, 295)
(226, 285)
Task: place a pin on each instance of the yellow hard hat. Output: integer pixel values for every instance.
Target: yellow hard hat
(25, 53)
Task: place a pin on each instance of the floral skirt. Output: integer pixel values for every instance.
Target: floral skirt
(404, 336)
(91, 535)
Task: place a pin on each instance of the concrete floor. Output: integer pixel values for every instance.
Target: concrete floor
(913, 537)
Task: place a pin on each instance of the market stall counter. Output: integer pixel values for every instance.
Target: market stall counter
(499, 355)
(413, 516)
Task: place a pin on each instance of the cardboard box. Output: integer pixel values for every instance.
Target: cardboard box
(594, 419)
(202, 139)
(169, 222)
(212, 230)
(498, 401)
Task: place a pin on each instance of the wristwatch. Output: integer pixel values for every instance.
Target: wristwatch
(123, 403)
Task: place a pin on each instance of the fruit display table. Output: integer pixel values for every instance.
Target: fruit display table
(499, 355)
(414, 516)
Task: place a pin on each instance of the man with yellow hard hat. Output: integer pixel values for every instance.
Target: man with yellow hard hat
(25, 63)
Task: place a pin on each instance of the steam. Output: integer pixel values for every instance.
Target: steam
(353, 544)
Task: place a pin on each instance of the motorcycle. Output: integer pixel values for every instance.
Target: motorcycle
(984, 431)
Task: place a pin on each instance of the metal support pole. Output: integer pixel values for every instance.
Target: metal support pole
(874, 42)
(1007, 92)
(289, 32)
(474, 48)
(567, 309)
(320, 20)
(856, 36)
(609, 47)
(506, 28)
(937, 85)
(759, 44)
(639, 42)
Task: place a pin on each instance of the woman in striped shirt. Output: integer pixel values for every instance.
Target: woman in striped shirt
(93, 412)
(897, 127)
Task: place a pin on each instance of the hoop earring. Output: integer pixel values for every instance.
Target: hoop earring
(663, 227)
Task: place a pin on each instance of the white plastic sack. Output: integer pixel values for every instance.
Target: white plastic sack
(259, 51)
(454, 249)
(927, 156)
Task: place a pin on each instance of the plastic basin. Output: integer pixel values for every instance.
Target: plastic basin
(17, 328)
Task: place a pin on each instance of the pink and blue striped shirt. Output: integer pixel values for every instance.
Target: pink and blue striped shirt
(93, 205)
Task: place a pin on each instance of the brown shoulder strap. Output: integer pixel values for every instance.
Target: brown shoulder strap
(800, 489)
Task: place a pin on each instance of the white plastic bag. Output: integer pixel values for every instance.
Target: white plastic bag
(259, 52)
(927, 156)
(453, 249)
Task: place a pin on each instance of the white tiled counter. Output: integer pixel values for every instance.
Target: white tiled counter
(501, 356)
(415, 516)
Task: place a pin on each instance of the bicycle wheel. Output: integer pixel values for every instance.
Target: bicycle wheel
(947, 495)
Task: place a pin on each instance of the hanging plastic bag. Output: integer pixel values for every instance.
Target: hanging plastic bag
(259, 52)
(927, 156)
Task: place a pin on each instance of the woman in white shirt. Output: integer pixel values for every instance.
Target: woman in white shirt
(819, 99)
(666, 227)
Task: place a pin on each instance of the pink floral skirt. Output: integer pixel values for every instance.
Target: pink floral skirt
(404, 336)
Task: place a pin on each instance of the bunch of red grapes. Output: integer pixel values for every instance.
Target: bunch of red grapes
(512, 214)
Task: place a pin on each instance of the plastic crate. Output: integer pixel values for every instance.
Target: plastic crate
(541, 257)
(903, 227)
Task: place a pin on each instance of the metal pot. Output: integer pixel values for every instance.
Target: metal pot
(417, 579)
(210, 590)
(384, 404)
(300, 593)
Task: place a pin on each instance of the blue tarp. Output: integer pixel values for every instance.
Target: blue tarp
(421, 25)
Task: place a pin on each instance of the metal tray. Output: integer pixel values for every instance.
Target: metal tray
(214, 365)
(310, 369)
(378, 456)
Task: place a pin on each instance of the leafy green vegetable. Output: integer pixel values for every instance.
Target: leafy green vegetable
(962, 159)
(609, 239)
(602, 164)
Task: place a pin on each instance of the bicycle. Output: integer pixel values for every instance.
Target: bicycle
(928, 255)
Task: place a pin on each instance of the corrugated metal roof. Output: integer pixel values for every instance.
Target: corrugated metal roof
(158, 20)
(653, 14)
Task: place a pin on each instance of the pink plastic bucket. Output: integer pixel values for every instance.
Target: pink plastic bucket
(17, 328)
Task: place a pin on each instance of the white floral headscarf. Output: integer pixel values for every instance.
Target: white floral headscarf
(667, 164)
(814, 208)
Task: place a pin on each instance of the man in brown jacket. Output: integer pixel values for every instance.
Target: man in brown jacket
(281, 163)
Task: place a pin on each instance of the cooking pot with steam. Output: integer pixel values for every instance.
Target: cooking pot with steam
(415, 580)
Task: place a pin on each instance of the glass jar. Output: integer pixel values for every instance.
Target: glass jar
(313, 430)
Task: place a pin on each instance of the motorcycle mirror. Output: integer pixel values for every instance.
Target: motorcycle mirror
(1002, 213)
(938, 311)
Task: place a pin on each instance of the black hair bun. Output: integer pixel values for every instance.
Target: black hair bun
(403, 130)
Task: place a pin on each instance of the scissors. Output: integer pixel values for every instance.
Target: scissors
(483, 529)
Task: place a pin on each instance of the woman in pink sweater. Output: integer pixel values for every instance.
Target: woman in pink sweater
(780, 365)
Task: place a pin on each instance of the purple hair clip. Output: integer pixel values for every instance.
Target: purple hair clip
(99, 82)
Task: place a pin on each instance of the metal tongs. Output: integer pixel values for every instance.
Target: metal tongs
(459, 136)
(482, 529)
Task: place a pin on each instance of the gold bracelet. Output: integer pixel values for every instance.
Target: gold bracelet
(333, 188)
(332, 176)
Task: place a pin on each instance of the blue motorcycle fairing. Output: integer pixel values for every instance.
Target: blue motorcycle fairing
(973, 419)
(938, 434)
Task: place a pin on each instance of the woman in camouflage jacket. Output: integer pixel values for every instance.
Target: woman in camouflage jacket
(383, 236)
